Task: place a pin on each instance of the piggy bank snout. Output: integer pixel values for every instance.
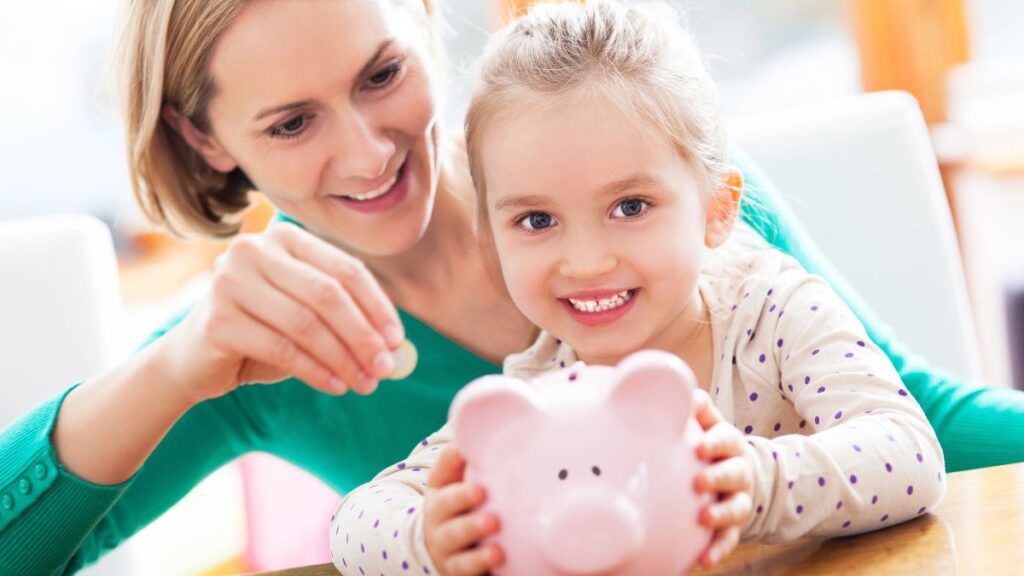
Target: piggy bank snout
(590, 531)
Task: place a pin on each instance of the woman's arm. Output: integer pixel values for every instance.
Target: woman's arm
(977, 426)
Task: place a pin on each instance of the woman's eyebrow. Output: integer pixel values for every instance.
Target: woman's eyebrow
(301, 103)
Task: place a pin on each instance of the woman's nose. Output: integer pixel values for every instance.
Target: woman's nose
(361, 149)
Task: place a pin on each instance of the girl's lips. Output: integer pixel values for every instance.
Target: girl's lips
(605, 317)
(398, 192)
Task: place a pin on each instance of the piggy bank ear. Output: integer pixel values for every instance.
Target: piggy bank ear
(653, 393)
(491, 415)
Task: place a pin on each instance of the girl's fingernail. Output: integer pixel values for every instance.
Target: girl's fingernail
(338, 386)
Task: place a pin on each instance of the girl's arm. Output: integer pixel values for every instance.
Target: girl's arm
(379, 526)
(871, 459)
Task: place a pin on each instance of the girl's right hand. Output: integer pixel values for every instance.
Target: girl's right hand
(452, 527)
(286, 303)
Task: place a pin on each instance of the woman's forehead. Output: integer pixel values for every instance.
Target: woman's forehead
(279, 50)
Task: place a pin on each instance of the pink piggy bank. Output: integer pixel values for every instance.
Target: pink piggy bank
(590, 469)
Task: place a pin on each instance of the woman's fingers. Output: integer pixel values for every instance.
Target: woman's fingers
(475, 562)
(303, 328)
(353, 275)
(332, 303)
(246, 336)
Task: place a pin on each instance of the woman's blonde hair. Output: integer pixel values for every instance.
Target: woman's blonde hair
(638, 56)
(163, 58)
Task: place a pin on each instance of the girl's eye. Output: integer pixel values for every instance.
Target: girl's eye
(290, 128)
(536, 221)
(630, 207)
(384, 77)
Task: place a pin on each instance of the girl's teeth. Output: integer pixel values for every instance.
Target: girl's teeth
(602, 305)
(376, 193)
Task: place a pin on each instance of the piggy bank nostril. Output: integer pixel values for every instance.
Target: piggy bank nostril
(596, 471)
(590, 533)
(563, 474)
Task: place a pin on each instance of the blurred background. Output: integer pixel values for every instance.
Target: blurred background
(62, 151)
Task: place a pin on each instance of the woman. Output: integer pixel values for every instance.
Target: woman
(330, 109)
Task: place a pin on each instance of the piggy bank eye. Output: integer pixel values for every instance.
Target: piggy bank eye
(596, 471)
(563, 474)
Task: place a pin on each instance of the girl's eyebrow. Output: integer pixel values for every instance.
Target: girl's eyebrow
(302, 103)
(521, 201)
(639, 180)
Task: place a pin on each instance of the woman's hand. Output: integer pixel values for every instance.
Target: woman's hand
(286, 303)
(451, 528)
(729, 478)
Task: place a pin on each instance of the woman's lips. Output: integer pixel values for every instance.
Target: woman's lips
(387, 196)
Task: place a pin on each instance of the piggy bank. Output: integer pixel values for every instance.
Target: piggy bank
(590, 469)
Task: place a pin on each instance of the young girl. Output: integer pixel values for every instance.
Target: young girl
(597, 149)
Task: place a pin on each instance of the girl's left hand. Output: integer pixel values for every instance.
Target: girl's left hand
(729, 477)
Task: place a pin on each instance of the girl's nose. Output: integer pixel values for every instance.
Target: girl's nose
(588, 262)
(361, 150)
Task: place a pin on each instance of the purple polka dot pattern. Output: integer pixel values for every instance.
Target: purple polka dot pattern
(815, 351)
(853, 478)
(874, 499)
(888, 467)
(761, 358)
(753, 397)
(821, 389)
(821, 480)
(748, 429)
(777, 427)
(799, 509)
(910, 490)
(846, 524)
(848, 355)
(779, 343)
(838, 415)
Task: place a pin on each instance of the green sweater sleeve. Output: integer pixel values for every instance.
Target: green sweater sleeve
(977, 426)
(52, 522)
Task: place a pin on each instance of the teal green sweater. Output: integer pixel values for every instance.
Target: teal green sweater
(52, 522)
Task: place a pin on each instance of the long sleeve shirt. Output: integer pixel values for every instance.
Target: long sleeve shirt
(837, 444)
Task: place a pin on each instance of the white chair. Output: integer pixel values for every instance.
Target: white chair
(60, 306)
(861, 175)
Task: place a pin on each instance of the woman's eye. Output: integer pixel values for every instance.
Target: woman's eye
(630, 207)
(290, 128)
(384, 77)
(536, 221)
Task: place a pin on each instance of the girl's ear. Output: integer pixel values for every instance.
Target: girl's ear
(723, 208)
(206, 145)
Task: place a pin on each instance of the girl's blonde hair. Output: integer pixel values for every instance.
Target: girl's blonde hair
(638, 56)
(163, 58)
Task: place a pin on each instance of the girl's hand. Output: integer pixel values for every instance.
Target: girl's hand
(729, 478)
(285, 303)
(451, 529)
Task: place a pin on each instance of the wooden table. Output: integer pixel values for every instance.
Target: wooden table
(978, 529)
